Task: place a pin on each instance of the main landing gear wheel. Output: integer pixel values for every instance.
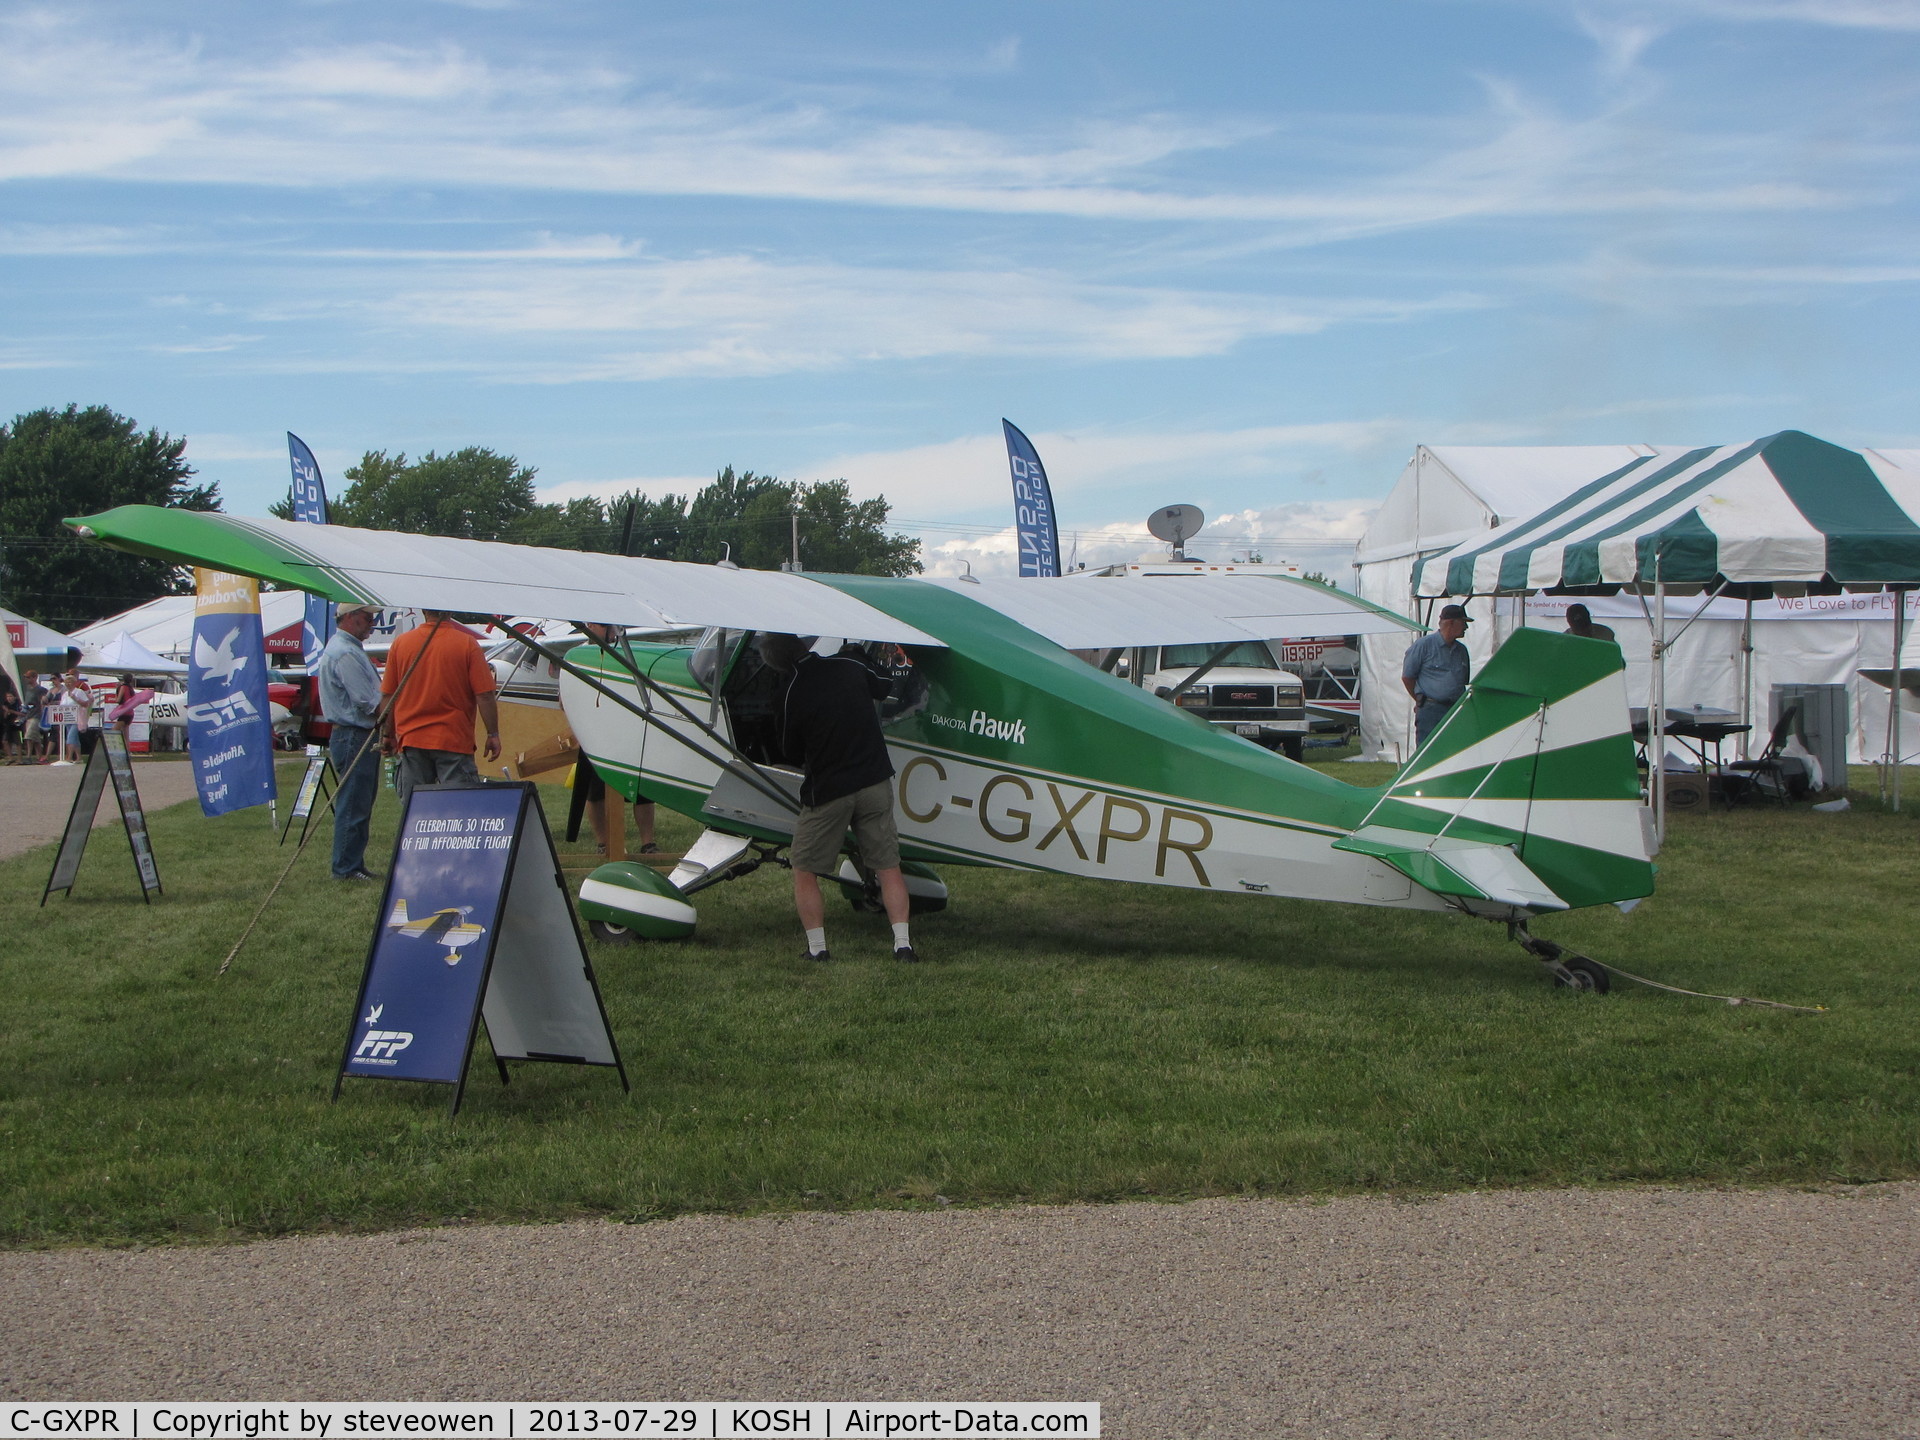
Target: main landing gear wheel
(612, 934)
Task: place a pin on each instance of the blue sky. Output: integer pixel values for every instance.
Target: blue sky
(1238, 255)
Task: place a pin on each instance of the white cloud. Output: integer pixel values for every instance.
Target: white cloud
(645, 318)
(209, 345)
(1315, 535)
(168, 111)
(1850, 14)
(925, 483)
(48, 239)
(958, 476)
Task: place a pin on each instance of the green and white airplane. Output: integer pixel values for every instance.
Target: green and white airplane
(1009, 749)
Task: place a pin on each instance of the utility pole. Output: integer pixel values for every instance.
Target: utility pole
(794, 564)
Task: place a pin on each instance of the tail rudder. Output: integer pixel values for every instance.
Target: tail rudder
(1536, 760)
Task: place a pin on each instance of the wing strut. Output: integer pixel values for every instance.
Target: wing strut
(748, 770)
(1200, 674)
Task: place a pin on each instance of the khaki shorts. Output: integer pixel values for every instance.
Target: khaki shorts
(820, 832)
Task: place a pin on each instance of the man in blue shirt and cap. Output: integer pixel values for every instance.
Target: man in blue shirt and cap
(1435, 671)
(350, 701)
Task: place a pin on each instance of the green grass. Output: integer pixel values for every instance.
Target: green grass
(1068, 1040)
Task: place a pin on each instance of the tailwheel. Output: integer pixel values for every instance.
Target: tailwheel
(1577, 972)
(1570, 969)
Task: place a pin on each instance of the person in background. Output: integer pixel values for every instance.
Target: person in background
(10, 713)
(1580, 622)
(31, 696)
(53, 719)
(1435, 670)
(438, 678)
(80, 701)
(350, 703)
(608, 637)
(122, 693)
(831, 729)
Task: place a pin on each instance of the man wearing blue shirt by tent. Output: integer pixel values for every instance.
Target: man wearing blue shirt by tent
(350, 701)
(1435, 671)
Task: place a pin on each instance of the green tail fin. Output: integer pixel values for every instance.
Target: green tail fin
(1535, 762)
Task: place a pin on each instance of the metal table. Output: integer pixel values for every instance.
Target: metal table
(1698, 728)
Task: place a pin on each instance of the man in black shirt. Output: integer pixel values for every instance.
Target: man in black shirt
(831, 730)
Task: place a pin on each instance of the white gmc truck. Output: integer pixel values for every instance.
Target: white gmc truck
(1249, 692)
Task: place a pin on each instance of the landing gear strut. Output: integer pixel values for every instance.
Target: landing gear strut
(1569, 968)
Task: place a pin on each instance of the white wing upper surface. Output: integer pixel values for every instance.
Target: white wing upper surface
(400, 571)
(1094, 614)
(491, 578)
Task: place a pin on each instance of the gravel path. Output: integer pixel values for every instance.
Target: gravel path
(1541, 1313)
(36, 799)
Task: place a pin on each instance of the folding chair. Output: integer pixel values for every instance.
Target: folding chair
(1773, 774)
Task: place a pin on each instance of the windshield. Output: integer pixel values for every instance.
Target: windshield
(1247, 655)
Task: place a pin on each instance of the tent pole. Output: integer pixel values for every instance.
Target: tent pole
(1657, 707)
(1746, 683)
(1893, 690)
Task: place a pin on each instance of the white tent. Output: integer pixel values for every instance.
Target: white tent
(1447, 494)
(34, 639)
(164, 627)
(1451, 494)
(125, 654)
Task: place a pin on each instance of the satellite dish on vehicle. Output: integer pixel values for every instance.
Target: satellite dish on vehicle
(1176, 524)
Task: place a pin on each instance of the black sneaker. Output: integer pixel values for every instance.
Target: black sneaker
(821, 955)
(365, 874)
(905, 953)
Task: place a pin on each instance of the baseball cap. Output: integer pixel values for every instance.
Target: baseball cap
(1456, 612)
(342, 611)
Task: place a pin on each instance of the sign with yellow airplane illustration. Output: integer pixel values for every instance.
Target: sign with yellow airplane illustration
(449, 927)
(475, 926)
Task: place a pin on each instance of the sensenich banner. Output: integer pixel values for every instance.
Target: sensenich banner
(229, 727)
(310, 504)
(1032, 506)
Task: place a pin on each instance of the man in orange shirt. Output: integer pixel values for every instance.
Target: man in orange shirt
(441, 679)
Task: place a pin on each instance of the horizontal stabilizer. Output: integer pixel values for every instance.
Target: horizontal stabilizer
(1470, 869)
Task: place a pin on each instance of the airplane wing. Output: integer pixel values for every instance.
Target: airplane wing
(384, 567)
(1094, 614)
(436, 926)
(389, 568)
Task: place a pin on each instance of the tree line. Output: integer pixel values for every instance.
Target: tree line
(57, 463)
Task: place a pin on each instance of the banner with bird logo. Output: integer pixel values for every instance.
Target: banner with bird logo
(229, 725)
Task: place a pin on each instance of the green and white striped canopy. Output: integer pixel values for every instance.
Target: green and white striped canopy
(1789, 511)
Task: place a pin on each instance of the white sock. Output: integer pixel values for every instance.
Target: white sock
(900, 941)
(816, 940)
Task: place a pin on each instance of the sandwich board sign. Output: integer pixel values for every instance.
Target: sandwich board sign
(313, 788)
(475, 925)
(108, 760)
